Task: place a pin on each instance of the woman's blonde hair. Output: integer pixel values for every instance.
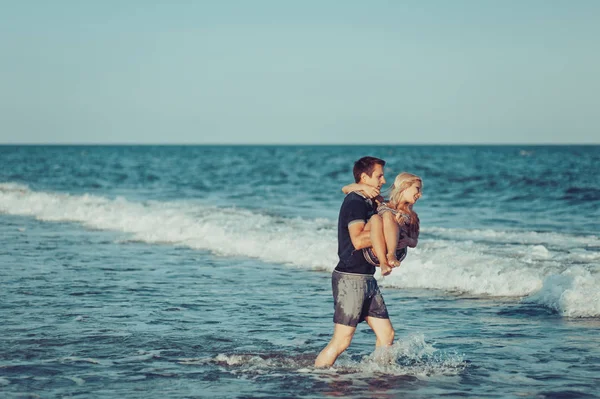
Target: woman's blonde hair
(402, 182)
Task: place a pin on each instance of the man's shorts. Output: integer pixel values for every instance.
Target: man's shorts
(356, 296)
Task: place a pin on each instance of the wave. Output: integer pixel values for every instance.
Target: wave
(555, 270)
(572, 293)
(582, 194)
(223, 231)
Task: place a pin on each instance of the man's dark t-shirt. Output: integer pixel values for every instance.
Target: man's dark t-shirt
(355, 208)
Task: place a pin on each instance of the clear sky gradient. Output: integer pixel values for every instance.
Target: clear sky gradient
(300, 72)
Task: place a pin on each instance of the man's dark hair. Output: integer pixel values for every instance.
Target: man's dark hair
(366, 165)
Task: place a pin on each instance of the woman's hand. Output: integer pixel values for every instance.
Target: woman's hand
(379, 199)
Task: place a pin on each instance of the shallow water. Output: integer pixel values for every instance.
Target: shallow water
(142, 296)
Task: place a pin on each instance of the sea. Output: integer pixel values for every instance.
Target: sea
(205, 272)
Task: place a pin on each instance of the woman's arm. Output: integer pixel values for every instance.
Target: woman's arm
(370, 192)
(409, 236)
(412, 242)
(407, 242)
(413, 237)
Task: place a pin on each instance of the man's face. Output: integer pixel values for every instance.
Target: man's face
(376, 179)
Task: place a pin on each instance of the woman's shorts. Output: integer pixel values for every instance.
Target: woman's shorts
(356, 296)
(372, 258)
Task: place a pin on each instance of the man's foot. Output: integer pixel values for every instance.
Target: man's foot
(392, 260)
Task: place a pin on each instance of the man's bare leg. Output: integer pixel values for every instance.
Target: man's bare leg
(342, 336)
(391, 232)
(383, 331)
(378, 240)
(385, 338)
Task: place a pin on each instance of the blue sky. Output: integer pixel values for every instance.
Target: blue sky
(299, 72)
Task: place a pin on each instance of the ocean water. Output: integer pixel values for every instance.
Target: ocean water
(204, 271)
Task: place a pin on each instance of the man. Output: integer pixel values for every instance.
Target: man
(356, 295)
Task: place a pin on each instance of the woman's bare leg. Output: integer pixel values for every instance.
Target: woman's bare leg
(391, 232)
(375, 225)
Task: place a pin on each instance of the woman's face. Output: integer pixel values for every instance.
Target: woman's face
(413, 193)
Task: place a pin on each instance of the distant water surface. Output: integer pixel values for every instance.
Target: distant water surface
(204, 271)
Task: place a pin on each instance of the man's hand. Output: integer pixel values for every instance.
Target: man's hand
(369, 191)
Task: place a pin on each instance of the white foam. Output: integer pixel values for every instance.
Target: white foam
(516, 237)
(411, 355)
(408, 356)
(572, 293)
(477, 262)
(229, 231)
(13, 187)
(78, 381)
(255, 363)
(142, 356)
(74, 359)
(465, 268)
(236, 360)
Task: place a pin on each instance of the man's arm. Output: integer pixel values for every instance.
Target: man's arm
(359, 237)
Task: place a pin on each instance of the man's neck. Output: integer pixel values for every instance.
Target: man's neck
(367, 199)
(361, 194)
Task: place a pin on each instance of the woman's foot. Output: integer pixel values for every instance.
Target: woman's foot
(392, 260)
(385, 269)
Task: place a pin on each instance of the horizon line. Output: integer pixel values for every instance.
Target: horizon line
(118, 144)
